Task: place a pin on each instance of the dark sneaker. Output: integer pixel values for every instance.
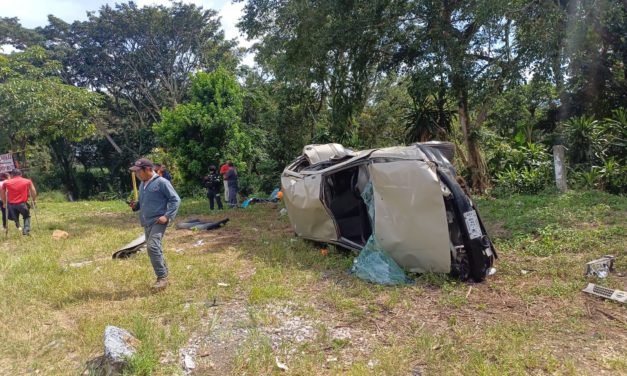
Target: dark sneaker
(161, 283)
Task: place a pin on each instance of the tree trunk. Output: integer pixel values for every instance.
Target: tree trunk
(63, 157)
(476, 164)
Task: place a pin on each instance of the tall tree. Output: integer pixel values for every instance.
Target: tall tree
(38, 109)
(336, 48)
(145, 55)
(208, 129)
(470, 43)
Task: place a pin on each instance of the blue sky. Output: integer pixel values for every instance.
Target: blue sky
(33, 13)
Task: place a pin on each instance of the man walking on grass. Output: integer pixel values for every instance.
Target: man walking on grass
(157, 206)
(14, 196)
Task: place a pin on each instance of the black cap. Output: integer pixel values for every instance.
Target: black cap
(212, 168)
(141, 163)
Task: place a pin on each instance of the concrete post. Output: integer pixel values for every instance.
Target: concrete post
(560, 168)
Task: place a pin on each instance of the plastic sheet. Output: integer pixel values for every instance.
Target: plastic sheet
(373, 264)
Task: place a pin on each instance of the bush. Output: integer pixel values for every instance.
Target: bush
(583, 139)
(52, 196)
(613, 177)
(525, 180)
(524, 170)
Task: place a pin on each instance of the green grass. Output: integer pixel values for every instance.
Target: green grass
(530, 318)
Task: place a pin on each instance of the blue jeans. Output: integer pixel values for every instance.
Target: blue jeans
(233, 196)
(154, 235)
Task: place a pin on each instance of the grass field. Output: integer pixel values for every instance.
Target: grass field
(249, 294)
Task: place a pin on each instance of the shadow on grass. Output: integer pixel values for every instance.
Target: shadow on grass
(88, 295)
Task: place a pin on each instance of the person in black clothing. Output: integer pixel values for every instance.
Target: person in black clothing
(213, 185)
(163, 172)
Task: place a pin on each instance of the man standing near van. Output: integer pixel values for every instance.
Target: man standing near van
(223, 170)
(14, 196)
(157, 206)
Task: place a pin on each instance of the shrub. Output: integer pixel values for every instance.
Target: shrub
(613, 177)
(524, 170)
(526, 180)
(583, 138)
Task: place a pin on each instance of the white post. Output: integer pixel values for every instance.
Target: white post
(560, 168)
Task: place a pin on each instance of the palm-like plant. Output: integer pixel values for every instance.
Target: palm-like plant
(583, 137)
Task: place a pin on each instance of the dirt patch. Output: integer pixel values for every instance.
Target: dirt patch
(497, 230)
(214, 345)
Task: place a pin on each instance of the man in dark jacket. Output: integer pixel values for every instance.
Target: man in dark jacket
(231, 177)
(158, 205)
(213, 185)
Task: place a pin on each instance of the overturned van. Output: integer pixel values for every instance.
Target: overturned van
(422, 217)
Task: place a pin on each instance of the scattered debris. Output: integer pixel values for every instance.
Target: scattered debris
(188, 362)
(600, 268)
(131, 248)
(373, 363)
(80, 264)
(324, 251)
(604, 292)
(273, 198)
(283, 211)
(469, 291)
(222, 284)
(196, 224)
(281, 366)
(59, 234)
(52, 345)
(199, 243)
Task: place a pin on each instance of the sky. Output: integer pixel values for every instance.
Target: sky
(33, 13)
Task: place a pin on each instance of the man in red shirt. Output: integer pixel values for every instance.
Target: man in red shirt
(223, 170)
(14, 195)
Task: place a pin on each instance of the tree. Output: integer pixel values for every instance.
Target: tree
(142, 55)
(335, 48)
(37, 108)
(208, 129)
(470, 46)
(140, 59)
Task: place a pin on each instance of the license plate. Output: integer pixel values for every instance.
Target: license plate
(472, 224)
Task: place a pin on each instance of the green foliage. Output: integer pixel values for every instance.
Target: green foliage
(330, 47)
(613, 176)
(525, 169)
(598, 150)
(431, 115)
(523, 113)
(381, 123)
(583, 139)
(207, 130)
(614, 135)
